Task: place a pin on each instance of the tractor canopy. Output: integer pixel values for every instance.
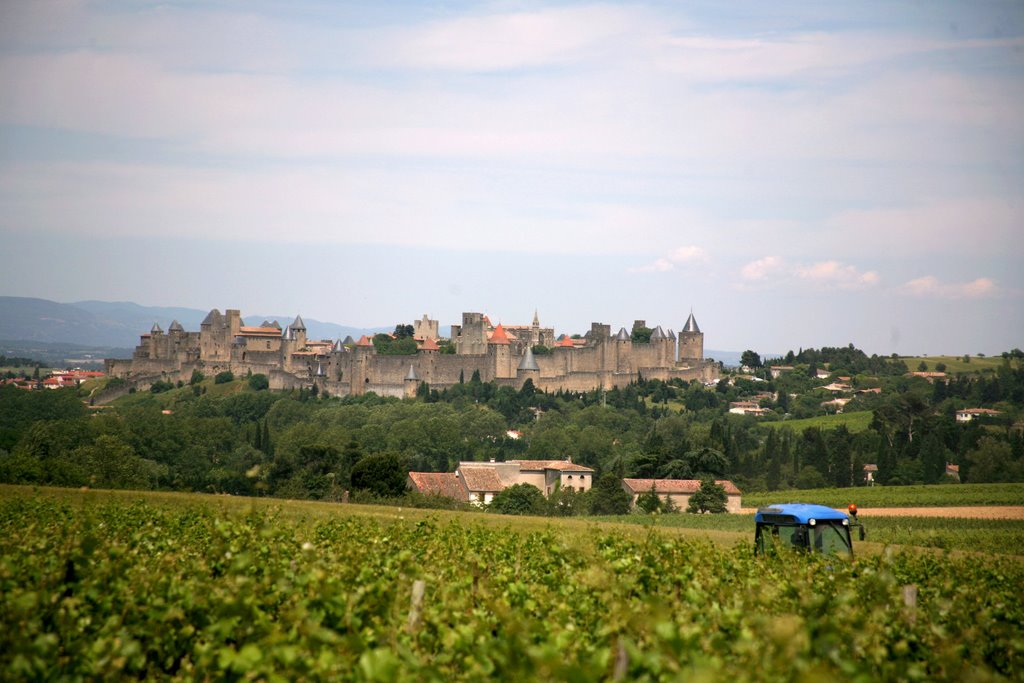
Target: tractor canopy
(801, 526)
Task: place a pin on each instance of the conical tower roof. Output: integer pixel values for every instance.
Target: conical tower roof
(622, 335)
(298, 324)
(364, 341)
(175, 327)
(658, 334)
(212, 318)
(156, 329)
(536, 318)
(411, 375)
(529, 362)
(499, 336)
(287, 335)
(691, 324)
(338, 347)
(671, 334)
(348, 340)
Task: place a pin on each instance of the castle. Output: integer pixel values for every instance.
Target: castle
(503, 354)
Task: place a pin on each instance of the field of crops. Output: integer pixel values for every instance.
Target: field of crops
(942, 495)
(969, 535)
(96, 588)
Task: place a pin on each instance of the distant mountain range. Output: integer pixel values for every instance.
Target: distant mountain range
(118, 324)
(48, 330)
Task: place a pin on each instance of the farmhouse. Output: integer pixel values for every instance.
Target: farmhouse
(680, 490)
(479, 482)
(968, 414)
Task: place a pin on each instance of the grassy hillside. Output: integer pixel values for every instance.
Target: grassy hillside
(855, 422)
(955, 364)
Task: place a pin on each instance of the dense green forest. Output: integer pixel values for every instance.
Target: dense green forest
(228, 435)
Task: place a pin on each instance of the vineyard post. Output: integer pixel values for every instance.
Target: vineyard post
(416, 604)
(910, 601)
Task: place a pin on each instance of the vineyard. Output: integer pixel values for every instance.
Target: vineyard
(948, 495)
(100, 588)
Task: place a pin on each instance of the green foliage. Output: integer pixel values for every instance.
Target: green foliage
(224, 377)
(648, 501)
(258, 382)
(710, 497)
(195, 592)
(383, 475)
(196, 378)
(519, 499)
(641, 335)
(384, 345)
(160, 386)
(750, 359)
(608, 497)
(541, 350)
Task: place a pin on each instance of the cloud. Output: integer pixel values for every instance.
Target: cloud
(762, 268)
(837, 274)
(688, 254)
(931, 286)
(773, 270)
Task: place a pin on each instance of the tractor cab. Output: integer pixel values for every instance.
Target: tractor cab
(811, 528)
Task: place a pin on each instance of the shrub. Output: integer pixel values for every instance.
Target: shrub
(258, 382)
(224, 377)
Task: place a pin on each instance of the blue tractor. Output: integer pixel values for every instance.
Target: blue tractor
(810, 528)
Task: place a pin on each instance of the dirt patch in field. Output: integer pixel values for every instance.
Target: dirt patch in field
(976, 512)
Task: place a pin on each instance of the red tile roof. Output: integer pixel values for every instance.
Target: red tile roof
(562, 465)
(675, 485)
(481, 479)
(259, 332)
(499, 336)
(364, 341)
(429, 344)
(439, 484)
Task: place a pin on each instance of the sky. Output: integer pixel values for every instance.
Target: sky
(794, 175)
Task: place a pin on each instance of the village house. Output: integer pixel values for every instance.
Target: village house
(968, 414)
(679, 491)
(479, 482)
(747, 408)
(777, 370)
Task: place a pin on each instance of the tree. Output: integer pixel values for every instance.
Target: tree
(197, 377)
(648, 501)
(383, 475)
(810, 477)
(224, 377)
(403, 331)
(519, 499)
(258, 382)
(608, 497)
(642, 335)
(933, 457)
(750, 359)
(710, 497)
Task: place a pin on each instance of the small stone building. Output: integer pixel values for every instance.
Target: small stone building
(479, 482)
(680, 490)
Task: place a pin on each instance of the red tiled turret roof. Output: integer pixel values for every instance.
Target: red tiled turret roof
(499, 336)
(364, 341)
(429, 344)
